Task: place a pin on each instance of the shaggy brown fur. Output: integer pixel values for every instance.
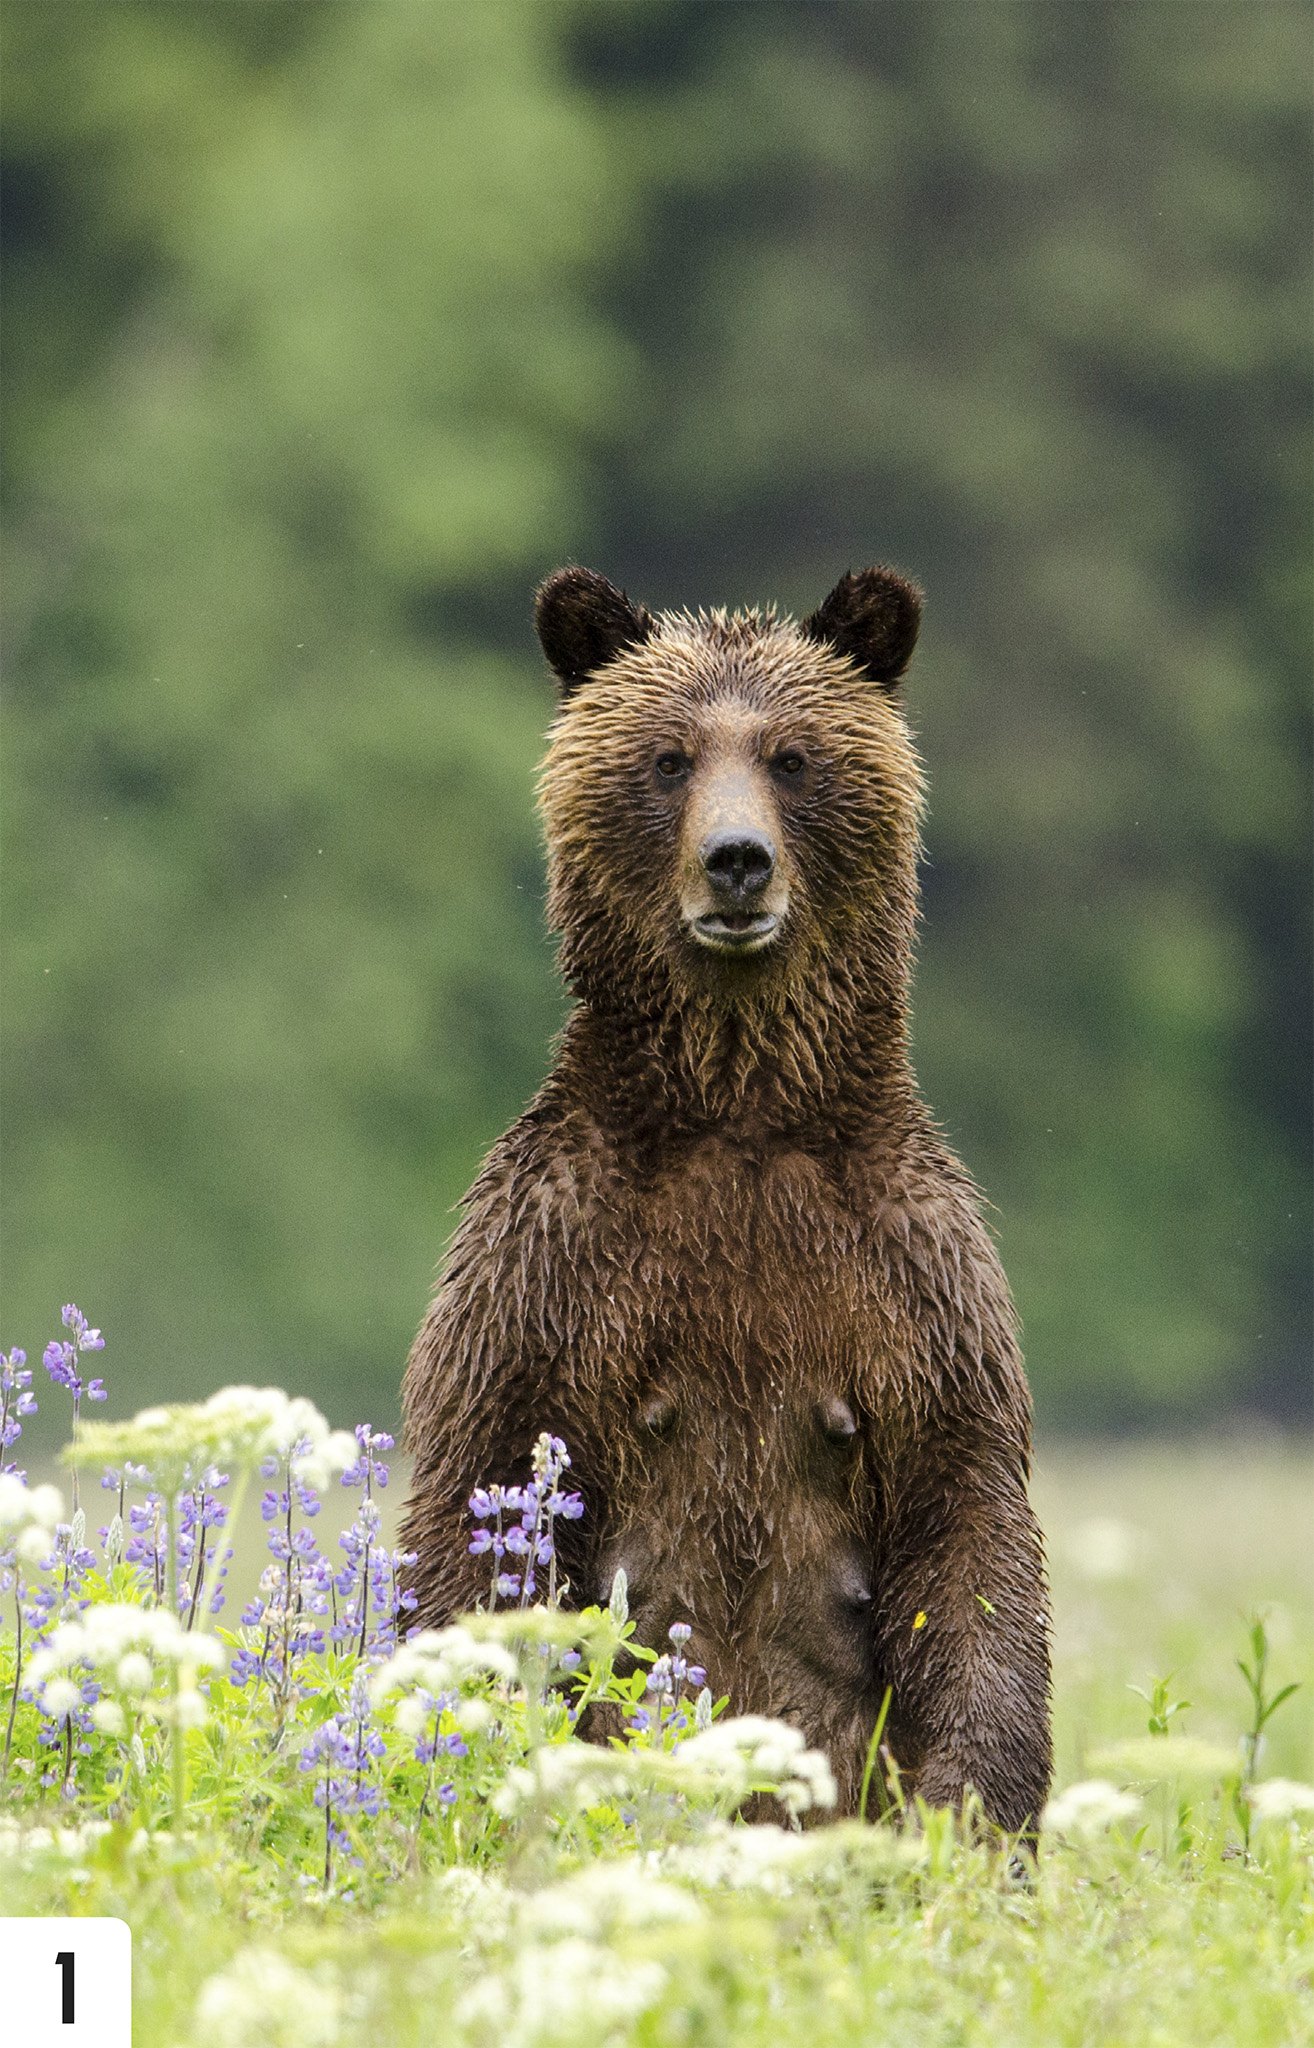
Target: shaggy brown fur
(725, 1253)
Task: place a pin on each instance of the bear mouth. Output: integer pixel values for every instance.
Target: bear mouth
(735, 931)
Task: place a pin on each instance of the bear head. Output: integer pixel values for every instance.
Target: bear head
(731, 800)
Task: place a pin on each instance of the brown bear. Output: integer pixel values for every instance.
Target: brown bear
(725, 1253)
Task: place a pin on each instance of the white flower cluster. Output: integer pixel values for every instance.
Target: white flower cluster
(28, 1515)
(1282, 1799)
(437, 1661)
(603, 1897)
(19, 1843)
(278, 1423)
(1088, 1809)
(264, 2001)
(777, 1861)
(754, 1754)
(564, 1994)
(120, 1641)
(726, 1762)
(237, 1426)
(572, 1777)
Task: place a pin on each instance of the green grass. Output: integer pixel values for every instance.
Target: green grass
(1157, 1932)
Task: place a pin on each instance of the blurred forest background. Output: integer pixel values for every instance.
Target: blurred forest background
(330, 328)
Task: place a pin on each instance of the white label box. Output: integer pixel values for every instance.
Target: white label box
(67, 1983)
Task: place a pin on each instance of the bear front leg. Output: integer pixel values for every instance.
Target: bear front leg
(523, 1336)
(963, 1631)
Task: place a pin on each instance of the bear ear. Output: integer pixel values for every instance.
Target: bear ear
(583, 622)
(872, 617)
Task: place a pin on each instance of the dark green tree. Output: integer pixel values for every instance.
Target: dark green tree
(299, 353)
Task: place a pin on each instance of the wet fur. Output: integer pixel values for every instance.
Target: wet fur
(725, 1253)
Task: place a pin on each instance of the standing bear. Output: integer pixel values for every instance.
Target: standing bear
(725, 1253)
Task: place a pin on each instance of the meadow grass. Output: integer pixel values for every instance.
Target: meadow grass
(657, 1926)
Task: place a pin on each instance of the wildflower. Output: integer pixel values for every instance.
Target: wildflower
(1088, 1809)
(133, 1672)
(607, 1895)
(441, 1661)
(234, 1428)
(548, 1987)
(365, 1468)
(754, 1754)
(104, 1635)
(1281, 1799)
(16, 1401)
(262, 1997)
(61, 1362)
(347, 1747)
(540, 1505)
(659, 1678)
(25, 1507)
(59, 1697)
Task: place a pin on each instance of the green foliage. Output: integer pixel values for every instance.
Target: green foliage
(572, 1893)
(277, 972)
(1162, 1706)
(329, 329)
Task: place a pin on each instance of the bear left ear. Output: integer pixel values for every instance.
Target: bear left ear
(584, 622)
(872, 617)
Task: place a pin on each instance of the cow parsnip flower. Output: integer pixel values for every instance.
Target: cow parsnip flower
(1088, 1809)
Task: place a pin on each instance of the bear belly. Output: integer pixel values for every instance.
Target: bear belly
(749, 1503)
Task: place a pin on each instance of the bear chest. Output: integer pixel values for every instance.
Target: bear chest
(766, 1291)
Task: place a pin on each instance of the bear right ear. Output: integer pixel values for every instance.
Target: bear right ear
(584, 622)
(872, 617)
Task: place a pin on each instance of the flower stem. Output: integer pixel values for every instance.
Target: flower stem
(18, 1669)
(178, 1752)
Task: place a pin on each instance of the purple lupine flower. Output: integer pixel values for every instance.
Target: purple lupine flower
(61, 1362)
(295, 1591)
(16, 1401)
(539, 1504)
(61, 1357)
(660, 1679)
(86, 1339)
(366, 1468)
(347, 1746)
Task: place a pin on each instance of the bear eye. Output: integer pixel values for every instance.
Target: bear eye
(789, 763)
(672, 766)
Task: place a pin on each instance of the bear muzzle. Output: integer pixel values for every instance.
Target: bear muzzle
(739, 864)
(739, 897)
(735, 892)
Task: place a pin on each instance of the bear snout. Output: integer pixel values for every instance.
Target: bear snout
(736, 894)
(739, 864)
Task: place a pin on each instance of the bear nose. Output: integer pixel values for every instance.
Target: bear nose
(738, 861)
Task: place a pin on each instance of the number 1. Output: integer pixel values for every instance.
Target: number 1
(64, 1962)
